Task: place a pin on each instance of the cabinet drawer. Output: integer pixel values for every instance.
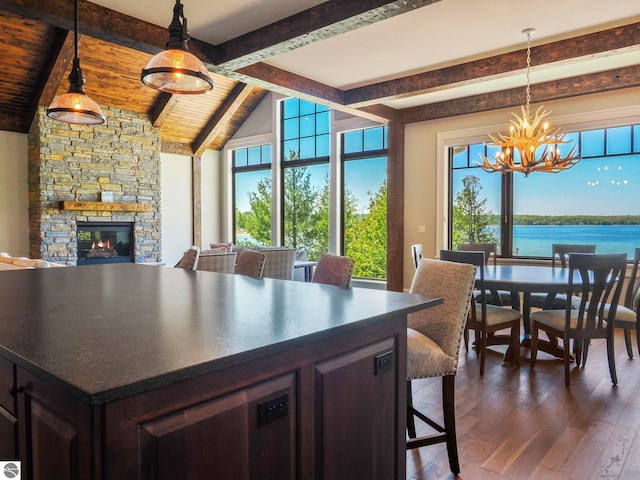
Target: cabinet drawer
(6, 380)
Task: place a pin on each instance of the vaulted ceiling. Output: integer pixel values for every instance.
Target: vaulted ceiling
(404, 61)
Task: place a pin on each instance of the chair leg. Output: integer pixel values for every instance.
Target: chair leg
(567, 360)
(515, 343)
(638, 338)
(481, 344)
(627, 342)
(411, 421)
(448, 402)
(612, 360)
(534, 344)
(466, 339)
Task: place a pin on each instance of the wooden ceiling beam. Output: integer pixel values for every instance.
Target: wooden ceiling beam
(569, 50)
(245, 110)
(13, 123)
(287, 83)
(223, 114)
(61, 54)
(326, 20)
(164, 104)
(105, 24)
(599, 82)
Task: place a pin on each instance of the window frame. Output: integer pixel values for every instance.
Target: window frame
(448, 140)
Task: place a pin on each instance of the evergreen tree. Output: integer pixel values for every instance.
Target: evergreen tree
(366, 236)
(471, 220)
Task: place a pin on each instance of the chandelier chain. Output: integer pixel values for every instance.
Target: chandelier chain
(528, 90)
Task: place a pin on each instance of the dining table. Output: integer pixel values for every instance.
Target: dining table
(525, 280)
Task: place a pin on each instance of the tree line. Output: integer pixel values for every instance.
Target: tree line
(306, 221)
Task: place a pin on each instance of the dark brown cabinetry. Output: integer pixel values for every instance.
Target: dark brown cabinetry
(8, 421)
(328, 410)
(54, 431)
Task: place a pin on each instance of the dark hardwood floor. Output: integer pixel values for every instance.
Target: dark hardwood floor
(525, 424)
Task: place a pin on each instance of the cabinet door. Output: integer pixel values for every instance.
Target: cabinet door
(55, 439)
(356, 426)
(8, 435)
(249, 434)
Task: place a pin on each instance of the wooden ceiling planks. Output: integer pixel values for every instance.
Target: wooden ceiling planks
(112, 75)
(190, 114)
(25, 49)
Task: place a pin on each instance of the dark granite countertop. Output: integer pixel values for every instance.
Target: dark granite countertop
(108, 331)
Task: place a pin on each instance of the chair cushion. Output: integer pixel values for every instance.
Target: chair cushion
(555, 318)
(425, 358)
(497, 315)
(623, 314)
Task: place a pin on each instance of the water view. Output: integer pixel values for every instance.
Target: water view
(536, 240)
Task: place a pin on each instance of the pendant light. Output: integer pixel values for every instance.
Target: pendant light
(75, 106)
(175, 70)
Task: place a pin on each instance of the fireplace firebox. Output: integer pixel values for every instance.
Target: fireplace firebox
(105, 242)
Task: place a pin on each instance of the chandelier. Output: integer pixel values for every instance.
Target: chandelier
(520, 148)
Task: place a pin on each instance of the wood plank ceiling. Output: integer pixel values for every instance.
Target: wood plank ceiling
(36, 50)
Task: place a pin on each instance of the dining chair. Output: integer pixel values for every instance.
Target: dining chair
(601, 279)
(560, 251)
(433, 346)
(497, 297)
(416, 254)
(217, 262)
(250, 263)
(189, 260)
(333, 270)
(485, 319)
(628, 313)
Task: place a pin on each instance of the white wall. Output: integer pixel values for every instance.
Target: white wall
(177, 203)
(14, 194)
(212, 188)
(425, 157)
(177, 206)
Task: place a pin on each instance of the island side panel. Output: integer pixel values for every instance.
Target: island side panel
(285, 384)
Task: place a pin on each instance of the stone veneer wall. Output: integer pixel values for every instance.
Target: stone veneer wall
(79, 162)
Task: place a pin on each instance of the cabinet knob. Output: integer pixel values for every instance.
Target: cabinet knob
(13, 389)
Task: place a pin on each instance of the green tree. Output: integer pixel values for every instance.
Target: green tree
(306, 213)
(257, 221)
(366, 235)
(471, 220)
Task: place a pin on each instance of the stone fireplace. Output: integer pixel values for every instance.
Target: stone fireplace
(73, 168)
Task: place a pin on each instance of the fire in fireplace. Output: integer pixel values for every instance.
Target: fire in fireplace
(105, 242)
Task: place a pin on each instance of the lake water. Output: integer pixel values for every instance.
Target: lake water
(536, 240)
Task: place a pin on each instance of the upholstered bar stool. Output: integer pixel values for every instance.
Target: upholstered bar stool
(433, 345)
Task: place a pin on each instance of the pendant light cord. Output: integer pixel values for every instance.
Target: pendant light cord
(75, 28)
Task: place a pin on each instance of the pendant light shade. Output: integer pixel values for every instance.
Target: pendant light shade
(75, 106)
(175, 70)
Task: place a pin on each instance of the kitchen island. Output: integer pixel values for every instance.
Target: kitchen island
(126, 371)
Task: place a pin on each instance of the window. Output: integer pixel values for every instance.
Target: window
(305, 166)
(323, 200)
(252, 195)
(596, 201)
(364, 200)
